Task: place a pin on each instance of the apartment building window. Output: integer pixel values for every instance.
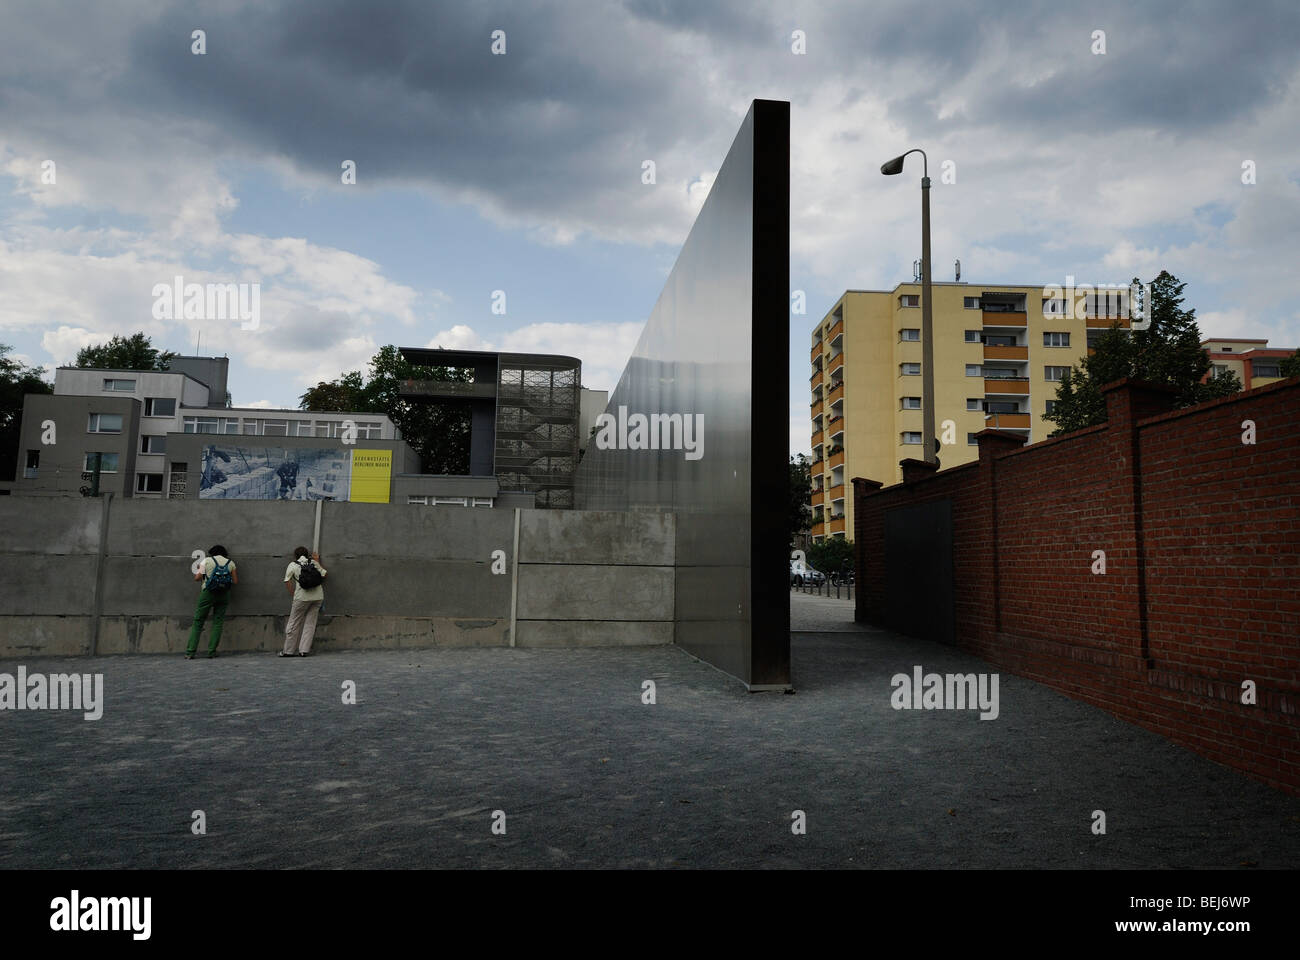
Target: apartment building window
(107, 462)
(151, 444)
(911, 403)
(275, 428)
(972, 336)
(1003, 340)
(1002, 406)
(974, 403)
(159, 407)
(971, 303)
(971, 441)
(974, 369)
(910, 369)
(1002, 373)
(373, 429)
(33, 464)
(119, 386)
(1053, 374)
(1051, 407)
(203, 424)
(1054, 308)
(909, 300)
(1266, 370)
(912, 436)
(105, 423)
(1056, 339)
(148, 483)
(176, 483)
(304, 428)
(909, 333)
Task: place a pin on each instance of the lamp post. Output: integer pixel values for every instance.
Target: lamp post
(928, 437)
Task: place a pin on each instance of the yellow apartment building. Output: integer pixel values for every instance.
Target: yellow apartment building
(998, 353)
(1253, 361)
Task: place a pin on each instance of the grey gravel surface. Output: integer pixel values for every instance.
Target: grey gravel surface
(287, 775)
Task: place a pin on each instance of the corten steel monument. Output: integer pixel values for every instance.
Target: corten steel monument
(696, 424)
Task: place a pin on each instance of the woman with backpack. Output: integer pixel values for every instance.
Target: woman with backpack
(219, 576)
(304, 578)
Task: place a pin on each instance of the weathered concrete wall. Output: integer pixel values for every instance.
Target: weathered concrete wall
(398, 577)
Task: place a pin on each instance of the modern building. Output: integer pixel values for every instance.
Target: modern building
(1253, 361)
(999, 351)
(524, 412)
(151, 429)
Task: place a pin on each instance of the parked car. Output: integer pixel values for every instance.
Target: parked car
(801, 574)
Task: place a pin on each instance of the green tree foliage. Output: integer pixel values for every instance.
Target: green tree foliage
(16, 380)
(135, 352)
(800, 512)
(1168, 352)
(831, 555)
(1291, 365)
(438, 432)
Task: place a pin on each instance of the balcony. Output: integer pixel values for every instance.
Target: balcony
(1007, 421)
(441, 388)
(1017, 387)
(817, 408)
(836, 330)
(837, 393)
(1005, 353)
(818, 497)
(1004, 318)
(817, 439)
(818, 529)
(816, 378)
(836, 460)
(836, 363)
(1104, 323)
(816, 351)
(836, 525)
(836, 492)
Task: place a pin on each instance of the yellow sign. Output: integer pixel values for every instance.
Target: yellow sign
(372, 472)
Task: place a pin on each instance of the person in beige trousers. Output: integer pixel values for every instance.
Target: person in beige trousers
(300, 630)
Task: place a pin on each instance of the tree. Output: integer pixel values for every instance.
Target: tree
(800, 512)
(831, 555)
(1167, 352)
(438, 432)
(135, 352)
(1291, 365)
(16, 380)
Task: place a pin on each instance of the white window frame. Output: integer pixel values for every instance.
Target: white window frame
(141, 476)
(1050, 408)
(149, 410)
(146, 442)
(87, 468)
(971, 441)
(111, 385)
(909, 299)
(977, 367)
(92, 423)
(910, 406)
(971, 303)
(977, 338)
(904, 338)
(1060, 371)
(910, 433)
(975, 403)
(1056, 338)
(904, 371)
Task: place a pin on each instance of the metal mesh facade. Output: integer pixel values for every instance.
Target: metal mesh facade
(537, 426)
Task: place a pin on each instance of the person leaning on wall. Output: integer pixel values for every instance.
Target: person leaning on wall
(219, 576)
(304, 579)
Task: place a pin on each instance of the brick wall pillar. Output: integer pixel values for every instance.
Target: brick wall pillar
(1127, 401)
(984, 566)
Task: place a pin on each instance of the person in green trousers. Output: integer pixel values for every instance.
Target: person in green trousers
(219, 576)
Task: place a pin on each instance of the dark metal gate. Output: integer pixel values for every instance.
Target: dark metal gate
(918, 571)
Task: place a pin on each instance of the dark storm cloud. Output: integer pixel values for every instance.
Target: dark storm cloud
(555, 130)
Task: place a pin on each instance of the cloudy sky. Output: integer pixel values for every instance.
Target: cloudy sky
(522, 172)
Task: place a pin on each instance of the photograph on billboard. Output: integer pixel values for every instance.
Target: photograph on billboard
(240, 472)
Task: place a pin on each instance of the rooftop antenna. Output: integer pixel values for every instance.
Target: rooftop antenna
(198, 335)
(958, 269)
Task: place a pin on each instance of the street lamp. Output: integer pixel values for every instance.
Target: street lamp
(929, 438)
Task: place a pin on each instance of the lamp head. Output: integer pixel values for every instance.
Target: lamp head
(892, 167)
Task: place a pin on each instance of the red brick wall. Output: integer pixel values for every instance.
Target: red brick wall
(1202, 585)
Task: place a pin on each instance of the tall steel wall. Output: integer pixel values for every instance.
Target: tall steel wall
(716, 345)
